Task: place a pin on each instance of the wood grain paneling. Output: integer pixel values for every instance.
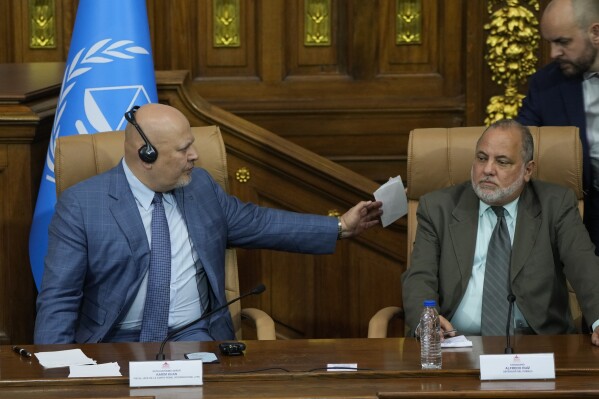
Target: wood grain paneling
(342, 101)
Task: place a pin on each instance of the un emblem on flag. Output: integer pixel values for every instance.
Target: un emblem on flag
(104, 106)
(101, 83)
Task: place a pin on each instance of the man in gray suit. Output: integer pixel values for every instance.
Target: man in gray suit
(549, 244)
(96, 280)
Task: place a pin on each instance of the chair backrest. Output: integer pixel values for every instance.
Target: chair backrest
(80, 157)
(442, 157)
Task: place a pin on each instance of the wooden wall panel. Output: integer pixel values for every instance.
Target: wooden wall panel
(15, 17)
(304, 60)
(353, 101)
(26, 115)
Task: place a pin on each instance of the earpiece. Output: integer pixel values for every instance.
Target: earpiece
(147, 152)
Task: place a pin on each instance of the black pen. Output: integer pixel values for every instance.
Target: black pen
(21, 351)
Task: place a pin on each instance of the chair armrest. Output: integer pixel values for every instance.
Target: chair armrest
(379, 323)
(265, 326)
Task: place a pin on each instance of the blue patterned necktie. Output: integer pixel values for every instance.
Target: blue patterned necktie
(495, 287)
(154, 326)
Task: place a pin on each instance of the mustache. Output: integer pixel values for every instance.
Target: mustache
(487, 180)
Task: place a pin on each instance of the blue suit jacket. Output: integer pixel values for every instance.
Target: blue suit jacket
(98, 251)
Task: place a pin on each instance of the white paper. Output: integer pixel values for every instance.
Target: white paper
(395, 203)
(206, 357)
(96, 370)
(456, 342)
(71, 357)
(517, 366)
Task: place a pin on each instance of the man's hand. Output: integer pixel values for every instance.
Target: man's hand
(360, 218)
(446, 326)
(595, 337)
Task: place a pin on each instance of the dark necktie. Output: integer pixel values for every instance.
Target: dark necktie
(154, 326)
(495, 288)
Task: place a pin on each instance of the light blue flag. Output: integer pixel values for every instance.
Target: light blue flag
(109, 69)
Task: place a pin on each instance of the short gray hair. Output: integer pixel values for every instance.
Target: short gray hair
(528, 146)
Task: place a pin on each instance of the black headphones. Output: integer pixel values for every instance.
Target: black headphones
(147, 152)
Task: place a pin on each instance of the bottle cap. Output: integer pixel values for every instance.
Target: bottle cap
(430, 303)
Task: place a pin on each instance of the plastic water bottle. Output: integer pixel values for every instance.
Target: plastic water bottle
(430, 336)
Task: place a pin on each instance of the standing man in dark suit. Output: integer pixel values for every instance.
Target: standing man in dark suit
(101, 253)
(547, 244)
(566, 92)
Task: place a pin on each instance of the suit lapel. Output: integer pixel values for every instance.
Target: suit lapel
(527, 228)
(463, 230)
(130, 222)
(571, 90)
(573, 101)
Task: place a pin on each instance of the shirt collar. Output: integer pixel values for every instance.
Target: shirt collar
(141, 192)
(590, 75)
(510, 208)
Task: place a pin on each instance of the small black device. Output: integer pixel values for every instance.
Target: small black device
(147, 152)
(231, 348)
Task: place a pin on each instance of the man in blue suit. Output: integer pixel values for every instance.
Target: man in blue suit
(98, 267)
(566, 92)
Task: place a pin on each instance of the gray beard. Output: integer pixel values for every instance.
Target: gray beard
(499, 195)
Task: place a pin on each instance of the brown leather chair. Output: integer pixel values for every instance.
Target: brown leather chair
(79, 157)
(442, 157)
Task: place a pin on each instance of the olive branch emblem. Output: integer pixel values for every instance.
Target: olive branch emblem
(101, 52)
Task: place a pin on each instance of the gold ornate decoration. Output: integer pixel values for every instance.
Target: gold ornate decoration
(226, 14)
(408, 22)
(317, 22)
(242, 175)
(333, 213)
(512, 42)
(42, 29)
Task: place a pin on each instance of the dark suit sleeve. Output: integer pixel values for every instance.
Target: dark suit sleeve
(421, 281)
(59, 301)
(530, 114)
(577, 253)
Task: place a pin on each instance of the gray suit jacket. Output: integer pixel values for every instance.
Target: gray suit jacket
(550, 245)
(98, 251)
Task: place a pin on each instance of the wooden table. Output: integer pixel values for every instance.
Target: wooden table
(388, 368)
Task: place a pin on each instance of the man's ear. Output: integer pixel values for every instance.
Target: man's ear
(594, 34)
(528, 169)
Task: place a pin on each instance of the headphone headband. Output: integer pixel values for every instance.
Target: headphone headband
(147, 152)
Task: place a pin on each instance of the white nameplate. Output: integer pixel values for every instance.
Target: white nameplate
(165, 373)
(526, 366)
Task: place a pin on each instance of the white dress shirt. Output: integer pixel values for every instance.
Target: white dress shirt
(590, 90)
(467, 318)
(184, 292)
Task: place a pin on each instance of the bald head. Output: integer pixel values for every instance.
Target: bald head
(169, 132)
(582, 12)
(156, 121)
